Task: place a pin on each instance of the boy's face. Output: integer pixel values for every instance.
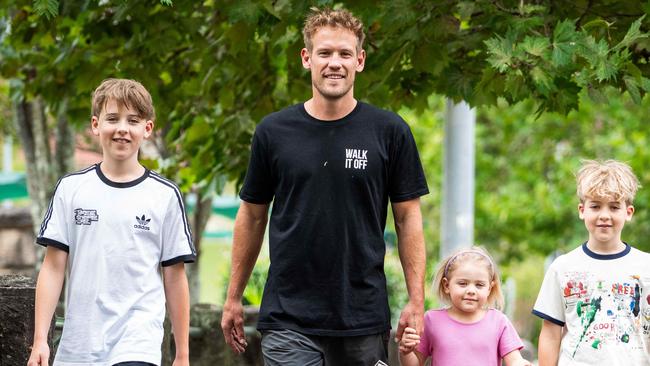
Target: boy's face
(333, 61)
(604, 219)
(121, 131)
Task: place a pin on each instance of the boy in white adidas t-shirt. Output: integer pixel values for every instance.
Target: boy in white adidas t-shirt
(595, 299)
(120, 233)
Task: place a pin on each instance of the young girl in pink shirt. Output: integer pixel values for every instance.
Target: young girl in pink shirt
(470, 331)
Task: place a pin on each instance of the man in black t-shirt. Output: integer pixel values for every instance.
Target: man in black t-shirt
(330, 166)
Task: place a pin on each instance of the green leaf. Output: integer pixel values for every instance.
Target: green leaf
(596, 23)
(543, 81)
(633, 88)
(500, 50)
(535, 46)
(199, 130)
(564, 40)
(47, 8)
(564, 32)
(633, 34)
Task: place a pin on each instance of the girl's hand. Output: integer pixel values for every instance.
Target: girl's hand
(410, 340)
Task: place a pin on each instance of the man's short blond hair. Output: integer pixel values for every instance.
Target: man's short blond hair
(124, 92)
(326, 17)
(606, 179)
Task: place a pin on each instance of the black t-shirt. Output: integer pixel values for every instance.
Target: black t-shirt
(330, 182)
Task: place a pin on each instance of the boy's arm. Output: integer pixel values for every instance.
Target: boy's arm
(177, 295)
(549, 344)
(410, 241)
(48, 290)
(248, 235)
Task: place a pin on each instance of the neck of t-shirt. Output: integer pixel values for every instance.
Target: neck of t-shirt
(330, 110)
(122, 172)
(606, 248)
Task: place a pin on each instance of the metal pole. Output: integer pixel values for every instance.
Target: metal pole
(457, 229)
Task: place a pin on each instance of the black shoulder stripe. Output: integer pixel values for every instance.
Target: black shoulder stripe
(183, 258)
(547, 317)
(179, 198)
(48, 213)
(46, 242)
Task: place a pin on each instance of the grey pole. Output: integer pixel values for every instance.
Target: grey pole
(457, 217)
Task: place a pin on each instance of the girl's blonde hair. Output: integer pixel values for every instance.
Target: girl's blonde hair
(476, 254)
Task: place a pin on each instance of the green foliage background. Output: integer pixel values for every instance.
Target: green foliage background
(548, 77)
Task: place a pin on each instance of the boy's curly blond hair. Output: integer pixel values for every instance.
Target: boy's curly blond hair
(606, 179)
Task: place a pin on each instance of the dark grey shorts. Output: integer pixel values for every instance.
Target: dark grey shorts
(134, 363)
(288, 348)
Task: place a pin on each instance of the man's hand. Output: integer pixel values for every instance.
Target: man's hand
(232, 325)
(413, 317)
(40, 355)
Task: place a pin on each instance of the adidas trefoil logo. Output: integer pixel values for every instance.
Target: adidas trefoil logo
(143, 223)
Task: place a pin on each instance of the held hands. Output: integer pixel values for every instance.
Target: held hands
(232, 325)
(410, 339)
(412, 316)
(40, 355)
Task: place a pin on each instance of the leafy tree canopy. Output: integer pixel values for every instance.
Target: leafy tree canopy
(215, 68)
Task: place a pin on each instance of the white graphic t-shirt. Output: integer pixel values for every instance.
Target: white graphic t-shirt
(603, 301)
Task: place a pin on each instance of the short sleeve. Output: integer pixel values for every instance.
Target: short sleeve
(406, 176)
(176, 239)
(54, 231)
(550, 302)
(258, 185)
(509, 340)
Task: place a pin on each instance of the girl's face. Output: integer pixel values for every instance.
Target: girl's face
(468, 286)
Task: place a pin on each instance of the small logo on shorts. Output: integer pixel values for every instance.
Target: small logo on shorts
(143, 223)
(85, 217)
(381, 363)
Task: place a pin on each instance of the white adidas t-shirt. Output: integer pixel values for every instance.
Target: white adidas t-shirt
(603, 302)
(117, 236)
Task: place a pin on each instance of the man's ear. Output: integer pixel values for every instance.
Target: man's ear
(361, 60)
(305, 56)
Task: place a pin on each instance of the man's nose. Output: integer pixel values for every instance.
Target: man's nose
(335, 62)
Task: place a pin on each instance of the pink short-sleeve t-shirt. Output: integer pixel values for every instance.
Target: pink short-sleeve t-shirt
(449, 342)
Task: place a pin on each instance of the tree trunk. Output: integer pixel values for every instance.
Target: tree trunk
(43, 169)
(202, 213)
